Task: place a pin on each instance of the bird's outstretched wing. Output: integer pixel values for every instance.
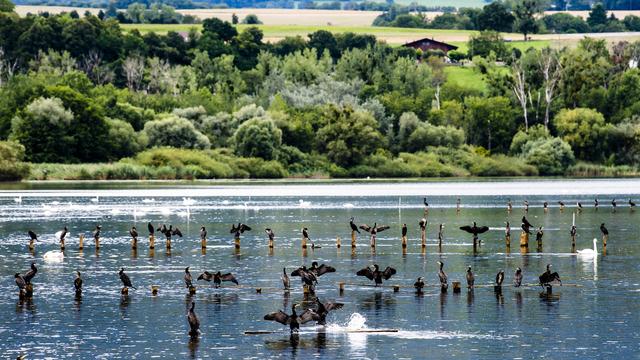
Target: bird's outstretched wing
(244, 228)
(382, 228)
(205, 276)
(323, 269)
(233, 229)
(526, 222)
(467, 228)
(151, 229)
(388, 272)
(229, 277)
(33, 235)
(365, 227)
(329, 305)
(482, 229)
(177, 231)
(308, 315)
(366, 272)
(297, 272)
(278, 316)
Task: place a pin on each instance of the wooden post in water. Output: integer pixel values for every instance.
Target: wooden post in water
(396, 288)
(475, 244)
(604, 244)
(192, 290)
(32, 245)
(573, 233)
(338, 242)
(237, 243)
(28, 291)
(134, 243)
(203, 243)
(423, 236)
(341, 287)
(154, 289)
(97, 240)
(61, 244)
(440, 236)
(404, 242)
(456, 287)
(458, 205)
(373, 241)
(152, 242)
(353, 239)
(304, 242)
(124, 291)
(539, 235)
(524, 242)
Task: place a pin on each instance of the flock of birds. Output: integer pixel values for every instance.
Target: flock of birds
(308, 276)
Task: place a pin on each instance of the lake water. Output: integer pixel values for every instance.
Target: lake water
(594, 316)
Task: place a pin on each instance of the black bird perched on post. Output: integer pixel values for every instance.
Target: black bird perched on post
(422, 223)
(194, 322)
(373, 230)
(217, 278)
(20, 282)
(539, 234)
(614, 204)
(419, 284)
(134, 233)
(376, 275)
(285, 279)
(596, 203)
(444, 284)
(579, 205)
(470, 278)
(548, 277)
(603, 229)
(545, 205)
(526, 225)
(509, 205)
(237, 230)
(424, 201)
(305, 232)
(203, 233)
(33, 235)
(526, 206)
(561, 203)
(500, 277)
(126, 282)
(475, 230)
(292, 320)
(63, 233)
(77, 283)
(517, 279)
(270, 233)
(96, 232)
(188, 279)
(573, 231)
(631, 203)
(404, 230)
(30, 273)
(321, 270)
(151, 229)
(354, 227)
(507, 229)
(323, 310)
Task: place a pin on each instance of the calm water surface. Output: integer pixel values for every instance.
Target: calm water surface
(594, 316)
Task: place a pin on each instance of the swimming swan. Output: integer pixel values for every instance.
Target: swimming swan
(589, 252)
(53, 256)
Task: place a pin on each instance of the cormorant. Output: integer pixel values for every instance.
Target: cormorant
(96, 232)
(30, 273)
(545, 205)
(305, 232)
(548, 277)
(321, 270)
(424, 201)
(603, 229)
(517, 279)
(126, 282)
(134, 233)
(217, 278)
(507, 229)
(323, 310)
(237, 230)
(354, 227)
(539, 234)
(526, 225)
(631, 203)
(444, 284)
(470, 278)
(194, 322)
(292, 320)
(151, 229)
(509, 205)
(285, 279)
(33, 235)
(188, 279)
(526, 205)
(475, 230)
(573, 231)
(404, 230)
(422, 223)
(63, 233)
(500, 277)
(579, 205)
(613, 203)
(561, 203)
(307, 277)
(270, 233)
(595, 203)
(203, 233)
(20, 282)
(376, 275)
(419, 284)
(77, 283)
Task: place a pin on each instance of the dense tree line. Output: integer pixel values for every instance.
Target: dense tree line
(522, 16)
(225, 104)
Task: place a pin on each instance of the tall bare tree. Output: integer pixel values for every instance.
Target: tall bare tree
(133, 67)
(438, 76)
(7, 68)
(520, 89)
(551, 69)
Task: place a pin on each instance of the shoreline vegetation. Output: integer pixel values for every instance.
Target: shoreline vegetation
(81, 98)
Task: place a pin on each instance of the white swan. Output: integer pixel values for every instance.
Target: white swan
(53, 256)
(589, 252)
(188, 201)
(148, 201)
(95, 199)
(18, 200)
(304, 204)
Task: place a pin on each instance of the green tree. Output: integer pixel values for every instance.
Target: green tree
(322, 40)
(258, 137)
(526, 11)
(349, 136)
(176, 132)
(585, 130)
(234, 18)
(489, 122)
(495, 16)
(251, 19)
(552, 156)
(12, 167)
(487, 42)
(123, 140)
(6, 6)
(597, 17)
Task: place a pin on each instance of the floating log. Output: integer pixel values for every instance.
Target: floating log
(81, 244)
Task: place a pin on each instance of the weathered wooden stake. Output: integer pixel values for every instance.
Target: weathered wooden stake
(304, 242)
(475, 243)
(373, 241)
(28, 291)
(604, 243)
(97, 239)
(124, 291)
(81, 244)
(168, 244)
(353, 239)
(62, 245)
(440, 236)
(237, 243)
(423, 236)
(192, 290)
(341, 287)
(338, 242)
(305, 289)
(134, 243)
(404, 242)
(573, 243)
(396, 288)
(152, 242)
(456, 287)
(507, 239)
(524, 239)
(154, 289)
(32, 245)
(203, 243)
